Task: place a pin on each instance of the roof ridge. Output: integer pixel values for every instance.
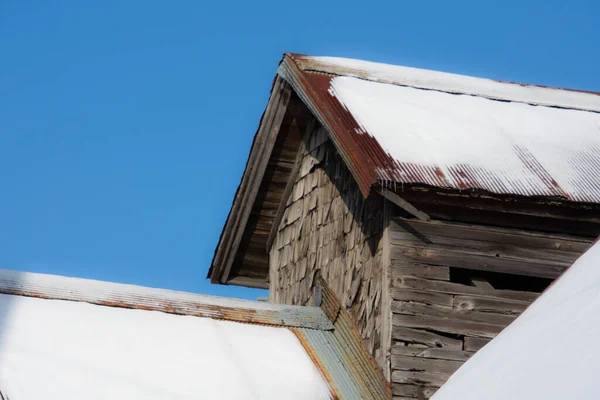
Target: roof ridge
(119, 295)
(447, 82)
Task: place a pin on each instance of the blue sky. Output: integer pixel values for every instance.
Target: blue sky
(125, 125)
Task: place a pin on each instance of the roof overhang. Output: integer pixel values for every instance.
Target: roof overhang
(303, 92)
(241, 256)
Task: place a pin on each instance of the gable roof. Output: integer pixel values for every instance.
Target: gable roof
(548, 352)
(413, 129)
(79, 338)
(410, 126)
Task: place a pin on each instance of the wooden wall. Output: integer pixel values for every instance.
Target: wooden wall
(327, 229)
(444, 303)
(425, 296)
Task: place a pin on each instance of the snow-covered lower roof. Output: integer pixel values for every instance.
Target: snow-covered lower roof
(548, 353)
(65, 338)
(404, 125)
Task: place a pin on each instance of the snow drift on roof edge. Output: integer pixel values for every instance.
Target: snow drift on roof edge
(501, 147)
(453, 83)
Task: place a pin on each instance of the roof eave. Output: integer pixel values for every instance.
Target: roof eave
(247, 190)
(312, 88)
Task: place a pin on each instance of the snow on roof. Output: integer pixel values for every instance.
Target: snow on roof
(454, 83)
(53, 349)
(68, 338)
(496, 142)
(405, 125)
(548, 353)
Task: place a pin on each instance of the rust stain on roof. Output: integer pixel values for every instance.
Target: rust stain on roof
(370, 164)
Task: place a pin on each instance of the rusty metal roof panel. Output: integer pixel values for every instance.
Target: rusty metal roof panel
(451, 83)
(397, 125)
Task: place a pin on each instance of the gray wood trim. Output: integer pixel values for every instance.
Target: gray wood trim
(483, 248)
(248, 282)
(386, 276)
(255, 169)
(405, 205)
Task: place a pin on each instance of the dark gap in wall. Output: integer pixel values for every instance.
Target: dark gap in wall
(445, 334)
(500, 280)
(462, 276)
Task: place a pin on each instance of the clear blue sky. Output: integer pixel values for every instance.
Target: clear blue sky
(125, 125)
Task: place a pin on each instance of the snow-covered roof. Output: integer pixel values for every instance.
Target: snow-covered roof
(548, 353)
(404, 125)
(66, 338)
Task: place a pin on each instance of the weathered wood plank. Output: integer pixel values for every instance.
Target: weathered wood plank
(401, 389)
(485, 233)
(484, 247)
(436, 272)
(431, 352)
(499, 306)
(446, 354)
(386, 297)
(458, 327)
(420, 378)
(409, 308)
(411, 391)
(576, 227)
(249, 282)
(403, 350)
(420, 336)
(457, 288)
(408, 363)
(475, 343)
(481, 283)
(461, 258)
(405, 205)
(424, 297)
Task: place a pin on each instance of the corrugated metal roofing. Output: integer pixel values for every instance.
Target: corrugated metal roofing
(135, 342)
(409, 126)
(167, 301)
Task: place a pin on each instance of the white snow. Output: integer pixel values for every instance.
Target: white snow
(548, 353)
(453, 83)
(493, 138)
(53, 349)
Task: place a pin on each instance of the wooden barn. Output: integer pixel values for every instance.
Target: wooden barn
(437, 207)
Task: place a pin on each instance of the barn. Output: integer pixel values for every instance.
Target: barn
(436, 207)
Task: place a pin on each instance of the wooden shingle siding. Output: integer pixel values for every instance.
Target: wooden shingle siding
(329, 230)
(438, 323)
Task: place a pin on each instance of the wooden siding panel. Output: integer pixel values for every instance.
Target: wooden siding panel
(438, 323)
(328, 229)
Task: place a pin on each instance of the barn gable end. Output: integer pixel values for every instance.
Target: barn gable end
(431, 261)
